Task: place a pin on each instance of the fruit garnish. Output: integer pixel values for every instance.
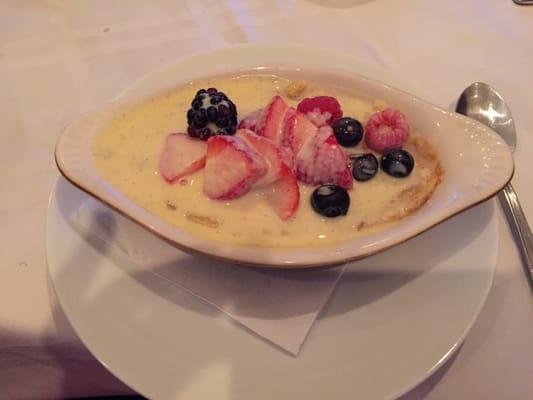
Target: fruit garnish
(250, 120)
(284, 194)
(386, 130)
(181, 156)
(271, 153)
(398, 163)
(231, 168)
(321, 110)
(330, 200)
(298, 130)
(321, 160)
(211, 113)
(348, 131)
(272, 120)
(365, 167)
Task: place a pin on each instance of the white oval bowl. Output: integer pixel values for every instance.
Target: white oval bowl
(477, 162)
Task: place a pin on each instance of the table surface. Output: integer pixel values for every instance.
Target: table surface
(60, 59)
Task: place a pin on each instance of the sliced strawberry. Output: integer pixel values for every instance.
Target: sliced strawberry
(282, 191)
(321, 160)
(250, 120)
(298, 130)
(181, 156)
(272, 120)
(288, 156)
(321, 110)
(284, 194)
(231, 167)
(271, 153)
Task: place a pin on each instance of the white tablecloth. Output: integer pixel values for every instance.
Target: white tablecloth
(61, 58)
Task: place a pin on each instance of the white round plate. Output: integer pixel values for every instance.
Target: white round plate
(392, 321)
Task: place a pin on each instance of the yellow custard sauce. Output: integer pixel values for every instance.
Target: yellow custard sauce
(127, 151)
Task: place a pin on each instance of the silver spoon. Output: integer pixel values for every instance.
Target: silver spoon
(483, 103)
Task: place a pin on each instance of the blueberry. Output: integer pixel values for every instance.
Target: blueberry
(348, 131)
(365, 167)
(397, 162)
(330, 200)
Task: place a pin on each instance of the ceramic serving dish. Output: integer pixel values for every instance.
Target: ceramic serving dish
(476, 161)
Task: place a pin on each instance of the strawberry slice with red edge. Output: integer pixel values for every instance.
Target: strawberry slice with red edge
(181, 156)
(298, 130)
(321, 160)
(250, 120)
(284, 194)
(272, 154)
(321, 110)
(231, 167)
(272, 120)
(282, 190)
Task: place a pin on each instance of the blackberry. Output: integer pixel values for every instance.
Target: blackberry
(211, 113)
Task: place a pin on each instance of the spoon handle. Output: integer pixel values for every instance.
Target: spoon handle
(519, 226)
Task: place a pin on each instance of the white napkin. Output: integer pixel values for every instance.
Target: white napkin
(278, 305)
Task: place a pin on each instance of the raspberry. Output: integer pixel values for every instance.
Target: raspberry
(321, 110)
(386, 130)
(321, 160)
(211, 113)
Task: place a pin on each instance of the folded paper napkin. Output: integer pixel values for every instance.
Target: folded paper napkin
(278, 305)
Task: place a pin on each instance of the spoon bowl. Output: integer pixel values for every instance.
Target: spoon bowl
(484, 104)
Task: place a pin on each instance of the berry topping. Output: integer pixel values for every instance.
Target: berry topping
(231, 168)
(398, 163)
(321, 110)
(250, 120)
(181, 156)
(330, 200)
(284, 194)
(272, 120)
(321, 160)
(272, 154)
(348, 131)
(211, 113)
(298, 130)
(386, 130)
(365, 167)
